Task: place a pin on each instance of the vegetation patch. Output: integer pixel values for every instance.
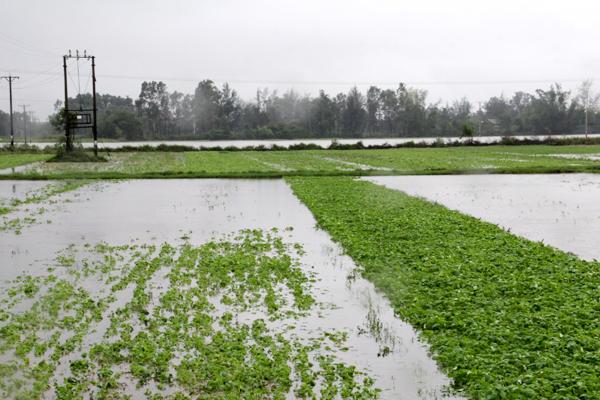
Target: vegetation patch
(8, 160)
(215, 321)
(76, 156)
(245, 164)
(10, 222)
(505, 317)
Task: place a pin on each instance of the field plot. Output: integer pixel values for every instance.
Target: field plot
(506, 317)
(24, 203)
(203, 288)
(403, 161)
(473, 159)
(8, 161)
(560, 210)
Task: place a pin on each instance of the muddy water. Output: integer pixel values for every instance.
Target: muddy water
(18, 190)
(21, 168)
(164, 211)
(286, 143)
(560, 210)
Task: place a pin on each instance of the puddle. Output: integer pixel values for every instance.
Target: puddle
(158, 211)
(362, 167)
(589, 157)
(278, 167)
(21, 168)
(18, 190)
(561, 210)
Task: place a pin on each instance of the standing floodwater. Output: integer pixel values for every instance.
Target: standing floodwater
(562, 210)
(160, 211)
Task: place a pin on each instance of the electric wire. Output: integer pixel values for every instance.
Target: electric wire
(327, 82)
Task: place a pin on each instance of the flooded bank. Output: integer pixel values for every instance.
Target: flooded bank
(319, 142)
(19, 190)
(155, 212)
(561, 210)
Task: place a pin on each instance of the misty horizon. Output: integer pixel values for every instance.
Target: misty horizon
(466, 49)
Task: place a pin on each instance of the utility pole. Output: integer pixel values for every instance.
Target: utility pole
(10, 80)
(587, 102)
(480, 121)
(25, 122)
(68, 139)
(84, 117)
(94, 122)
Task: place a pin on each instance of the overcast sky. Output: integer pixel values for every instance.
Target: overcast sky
(450, 48)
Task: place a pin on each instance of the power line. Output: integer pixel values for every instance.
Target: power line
(23, 46)
(34, 100)
(325, 82)
(42, 82)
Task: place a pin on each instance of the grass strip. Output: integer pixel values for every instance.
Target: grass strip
(115, 175)
(244, 164)
(506, 317)
(15, 160)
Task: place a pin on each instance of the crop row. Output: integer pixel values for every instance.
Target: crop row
(505, 317)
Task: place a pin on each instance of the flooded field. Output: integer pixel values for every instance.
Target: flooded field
(14, 190)
(560, 210)
(286, 143)
(161, 223)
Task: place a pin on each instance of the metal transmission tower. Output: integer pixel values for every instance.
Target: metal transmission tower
(83, 117)
(10, 80)
(25, 121)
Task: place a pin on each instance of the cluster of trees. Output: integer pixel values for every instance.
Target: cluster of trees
(24, 126)
(213, 112)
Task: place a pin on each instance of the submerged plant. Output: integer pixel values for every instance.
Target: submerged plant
(212, 321)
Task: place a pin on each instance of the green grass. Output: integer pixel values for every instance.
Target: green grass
(506, 318)
(15, 160)
(253, 164)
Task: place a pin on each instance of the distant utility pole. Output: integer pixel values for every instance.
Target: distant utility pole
(25, 122)
(10, 80)
(82, 117)
(587, 101)
(31, 121)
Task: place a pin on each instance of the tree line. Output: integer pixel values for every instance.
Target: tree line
(214, 112)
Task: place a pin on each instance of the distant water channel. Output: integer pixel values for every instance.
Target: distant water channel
(562, 210)
(287, 143)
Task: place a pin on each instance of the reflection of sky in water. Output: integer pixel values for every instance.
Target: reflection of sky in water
(10, 190)
(157, 211)
(562, 210)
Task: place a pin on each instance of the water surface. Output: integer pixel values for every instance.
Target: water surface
(156, 211)
(286, 143)
(562, 210)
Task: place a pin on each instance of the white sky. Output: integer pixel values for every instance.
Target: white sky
(450, 48)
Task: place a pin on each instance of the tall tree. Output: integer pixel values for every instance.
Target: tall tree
(207, 98)
(324, 115)
(153, 107)
(354, 116)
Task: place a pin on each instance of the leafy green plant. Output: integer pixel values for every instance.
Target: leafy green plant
(505, 317)
(210, 321)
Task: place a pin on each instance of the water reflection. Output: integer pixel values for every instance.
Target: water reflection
(561, 210)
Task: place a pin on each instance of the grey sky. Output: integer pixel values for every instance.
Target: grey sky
(450, 48)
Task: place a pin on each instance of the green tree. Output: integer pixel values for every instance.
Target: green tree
(354, 116)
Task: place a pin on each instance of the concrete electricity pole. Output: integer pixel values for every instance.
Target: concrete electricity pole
(10, 80)
(25, 122)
